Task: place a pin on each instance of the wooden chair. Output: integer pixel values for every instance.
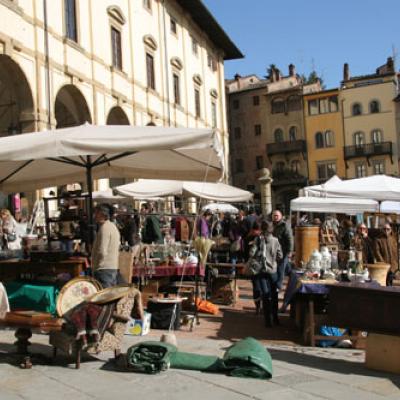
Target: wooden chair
(112, 338)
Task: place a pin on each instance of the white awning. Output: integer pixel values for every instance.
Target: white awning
(41, 159)
(350, 206)
(150, 188)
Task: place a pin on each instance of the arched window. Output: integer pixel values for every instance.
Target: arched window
(374, 106)
(295, 166)
(356, 109)
(278, 135)
(292, 133)
(376, 136)
(277, 106)
(319, 140)
(329, 139)
(359, 139)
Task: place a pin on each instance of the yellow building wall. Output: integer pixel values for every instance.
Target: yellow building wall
(321, 123)
(385, 120)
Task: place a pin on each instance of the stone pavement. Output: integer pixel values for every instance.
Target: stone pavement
(299, 373)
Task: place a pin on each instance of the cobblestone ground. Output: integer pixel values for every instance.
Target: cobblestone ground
(299, 372)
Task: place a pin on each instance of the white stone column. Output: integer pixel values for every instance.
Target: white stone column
(265, 190)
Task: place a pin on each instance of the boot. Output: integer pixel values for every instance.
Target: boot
(274, 307)
(258, 306)
(266, 305)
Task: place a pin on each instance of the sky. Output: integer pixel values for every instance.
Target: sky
(316, 35)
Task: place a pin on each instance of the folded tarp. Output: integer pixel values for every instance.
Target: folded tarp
(247, 358)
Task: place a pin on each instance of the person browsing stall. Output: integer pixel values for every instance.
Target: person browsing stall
(105, 250)
(267, 252)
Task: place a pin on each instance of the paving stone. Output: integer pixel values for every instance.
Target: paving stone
(334, 390)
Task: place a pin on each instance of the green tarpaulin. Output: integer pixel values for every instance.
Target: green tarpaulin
(247, 358)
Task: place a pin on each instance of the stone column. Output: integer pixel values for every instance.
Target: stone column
(265, 190)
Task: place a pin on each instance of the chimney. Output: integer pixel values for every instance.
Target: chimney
(346, 72)
(278, 75)
(237, 79)
(390, 65)
(292, 70)
(272, 76)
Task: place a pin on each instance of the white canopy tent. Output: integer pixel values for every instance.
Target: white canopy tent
(107, 195)
(221, 207)
(375, 187)
(350, 206)
(149, 188)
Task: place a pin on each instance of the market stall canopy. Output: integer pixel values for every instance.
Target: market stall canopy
(221, 207)
(375, 187)
(340, 205)
(150, 188)
(107, 195)
(57, 157)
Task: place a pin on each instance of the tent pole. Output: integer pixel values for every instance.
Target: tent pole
(89, 183)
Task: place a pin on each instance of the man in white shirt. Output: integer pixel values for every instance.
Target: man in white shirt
(105, 250)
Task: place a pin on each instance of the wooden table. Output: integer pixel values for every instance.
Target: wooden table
(26, 323)
(12, 269)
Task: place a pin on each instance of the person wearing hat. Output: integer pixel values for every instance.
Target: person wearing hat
(105, 250)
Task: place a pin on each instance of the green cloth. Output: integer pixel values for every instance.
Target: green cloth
(248, 359)
(32, 296)
(197, 362)
(149, 357)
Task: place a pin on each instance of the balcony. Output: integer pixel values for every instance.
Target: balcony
(368, 150)
(287, 177)
(296, 146)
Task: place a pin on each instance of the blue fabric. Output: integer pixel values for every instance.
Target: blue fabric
(329, 331)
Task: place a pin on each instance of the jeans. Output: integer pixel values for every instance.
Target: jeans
(264, 286)
(284, 268)
(107, 277)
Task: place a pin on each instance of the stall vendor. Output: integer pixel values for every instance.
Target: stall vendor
(105, 250)
(385, 248)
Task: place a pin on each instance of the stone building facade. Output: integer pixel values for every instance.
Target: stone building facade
(266, 122)
(140, 62)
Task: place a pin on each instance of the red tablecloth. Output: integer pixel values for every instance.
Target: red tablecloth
(167, 270)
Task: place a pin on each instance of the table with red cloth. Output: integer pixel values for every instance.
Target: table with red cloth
(159, 271)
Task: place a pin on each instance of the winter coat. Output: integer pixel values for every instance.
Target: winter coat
(283, 232)
(385, 249)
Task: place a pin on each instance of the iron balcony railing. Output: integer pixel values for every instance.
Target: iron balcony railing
(368, 150)
(287, 177)
(295, 146)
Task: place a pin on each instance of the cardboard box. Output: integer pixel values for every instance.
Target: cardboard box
(383, 353)
(138, 327)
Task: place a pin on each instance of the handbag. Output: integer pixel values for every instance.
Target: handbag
(253, 267)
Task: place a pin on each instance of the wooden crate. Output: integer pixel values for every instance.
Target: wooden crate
(383, 353)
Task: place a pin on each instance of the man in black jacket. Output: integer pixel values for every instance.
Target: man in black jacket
(283, 232)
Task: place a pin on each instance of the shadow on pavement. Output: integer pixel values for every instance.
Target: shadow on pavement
(339, 366)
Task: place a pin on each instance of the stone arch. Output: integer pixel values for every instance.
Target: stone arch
(16, 101)
(117, 116)
(71, 108)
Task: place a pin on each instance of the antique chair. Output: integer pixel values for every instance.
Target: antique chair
(111, 340)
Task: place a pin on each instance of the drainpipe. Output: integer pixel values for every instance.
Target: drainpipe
(47, 63)
(166, 63)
